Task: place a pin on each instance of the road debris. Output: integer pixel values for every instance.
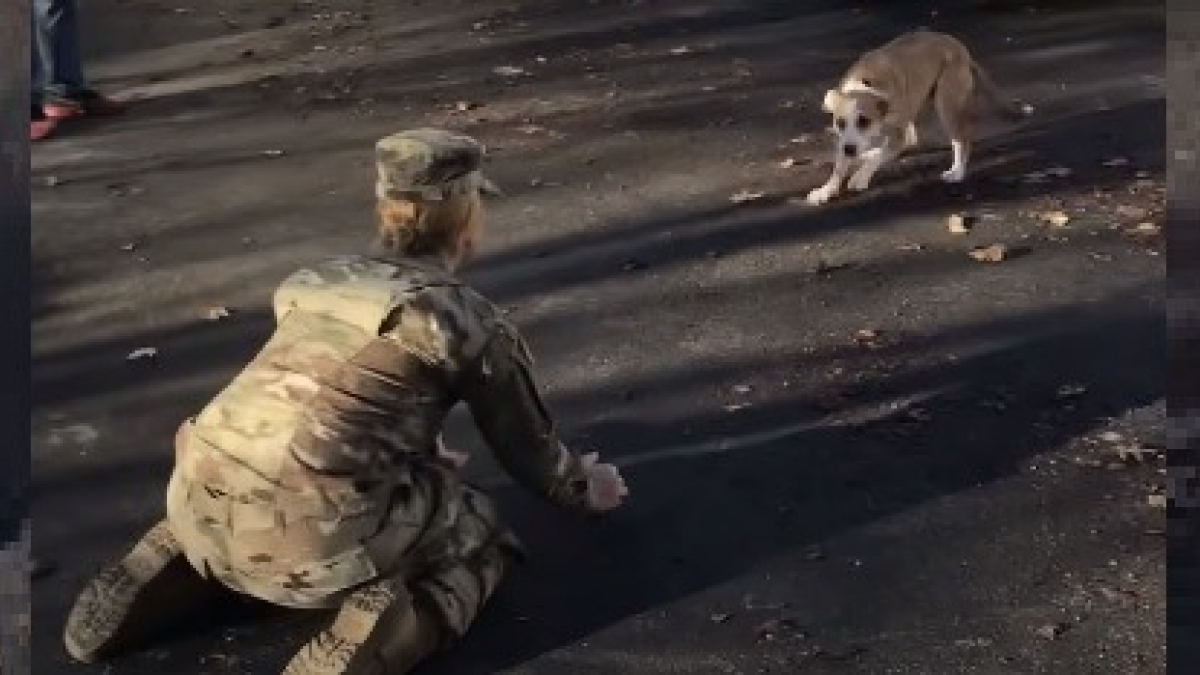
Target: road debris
(510, 71)
(990, 254)
(824, 267)
(1072, 390)
(959, 223)
(1052, 631)
(1055, 218)
(1147, 230)
(216, 313)
(773, 629)
(743, 196)
(871, 338)
(142, 353)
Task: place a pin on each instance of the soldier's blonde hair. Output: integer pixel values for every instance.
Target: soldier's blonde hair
(418, 227)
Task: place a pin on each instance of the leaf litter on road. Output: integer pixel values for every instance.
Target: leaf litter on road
(994, 253)
(142, 354)
(743, 196)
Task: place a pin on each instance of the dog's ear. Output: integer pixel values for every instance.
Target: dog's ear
(832, 98)
(882, 105)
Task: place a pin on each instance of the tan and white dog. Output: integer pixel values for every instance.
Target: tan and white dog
(876, 106)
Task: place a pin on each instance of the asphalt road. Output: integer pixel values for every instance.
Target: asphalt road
(852, 447)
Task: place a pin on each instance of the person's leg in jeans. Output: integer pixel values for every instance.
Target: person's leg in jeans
(40, 126)
(65, 91)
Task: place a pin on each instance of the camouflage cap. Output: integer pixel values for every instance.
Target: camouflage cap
(429, 163)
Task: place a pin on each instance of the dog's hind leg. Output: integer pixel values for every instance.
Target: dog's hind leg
(952, 102)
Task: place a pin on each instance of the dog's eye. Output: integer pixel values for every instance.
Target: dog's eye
(840, 123)
(862, 123)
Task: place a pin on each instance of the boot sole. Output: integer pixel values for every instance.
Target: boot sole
(351, 646)
(100, 615)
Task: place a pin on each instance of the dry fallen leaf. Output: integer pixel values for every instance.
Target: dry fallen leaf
(958, 223)
(142, 353)
(1147, 229)
(773, 628)
(1132, 212)
(1071, 391)
(1138, 454)
(989, 254)
(1055, 218)
(743, 196)
(1052, 631)
(869, 337)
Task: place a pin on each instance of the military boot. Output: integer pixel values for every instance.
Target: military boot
(148, 591)
(377, 631)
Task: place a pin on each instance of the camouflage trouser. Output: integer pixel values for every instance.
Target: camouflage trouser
(394, 622)
(451, 567)
(454, 571)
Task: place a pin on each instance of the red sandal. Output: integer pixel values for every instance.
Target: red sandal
(40, 126)
(88, 105)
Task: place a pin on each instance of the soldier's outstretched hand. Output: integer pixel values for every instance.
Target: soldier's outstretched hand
(606, 487)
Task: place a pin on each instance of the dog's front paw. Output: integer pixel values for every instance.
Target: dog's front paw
(820, 195)
(859, 181)
(954, 175)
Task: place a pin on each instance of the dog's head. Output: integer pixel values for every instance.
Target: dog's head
(858, 117)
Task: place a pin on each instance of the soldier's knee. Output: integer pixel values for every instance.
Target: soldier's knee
(454, 596)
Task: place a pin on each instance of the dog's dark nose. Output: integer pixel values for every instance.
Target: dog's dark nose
(849, 150)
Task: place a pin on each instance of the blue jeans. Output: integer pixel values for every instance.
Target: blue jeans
(56, 61)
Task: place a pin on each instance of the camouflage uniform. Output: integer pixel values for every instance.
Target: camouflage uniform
(313, 479)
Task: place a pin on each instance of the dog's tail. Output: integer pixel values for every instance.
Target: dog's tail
(1011, 107)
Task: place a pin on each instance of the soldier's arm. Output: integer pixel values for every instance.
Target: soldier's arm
(500, 390)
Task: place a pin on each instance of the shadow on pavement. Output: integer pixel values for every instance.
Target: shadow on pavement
(701, 519)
